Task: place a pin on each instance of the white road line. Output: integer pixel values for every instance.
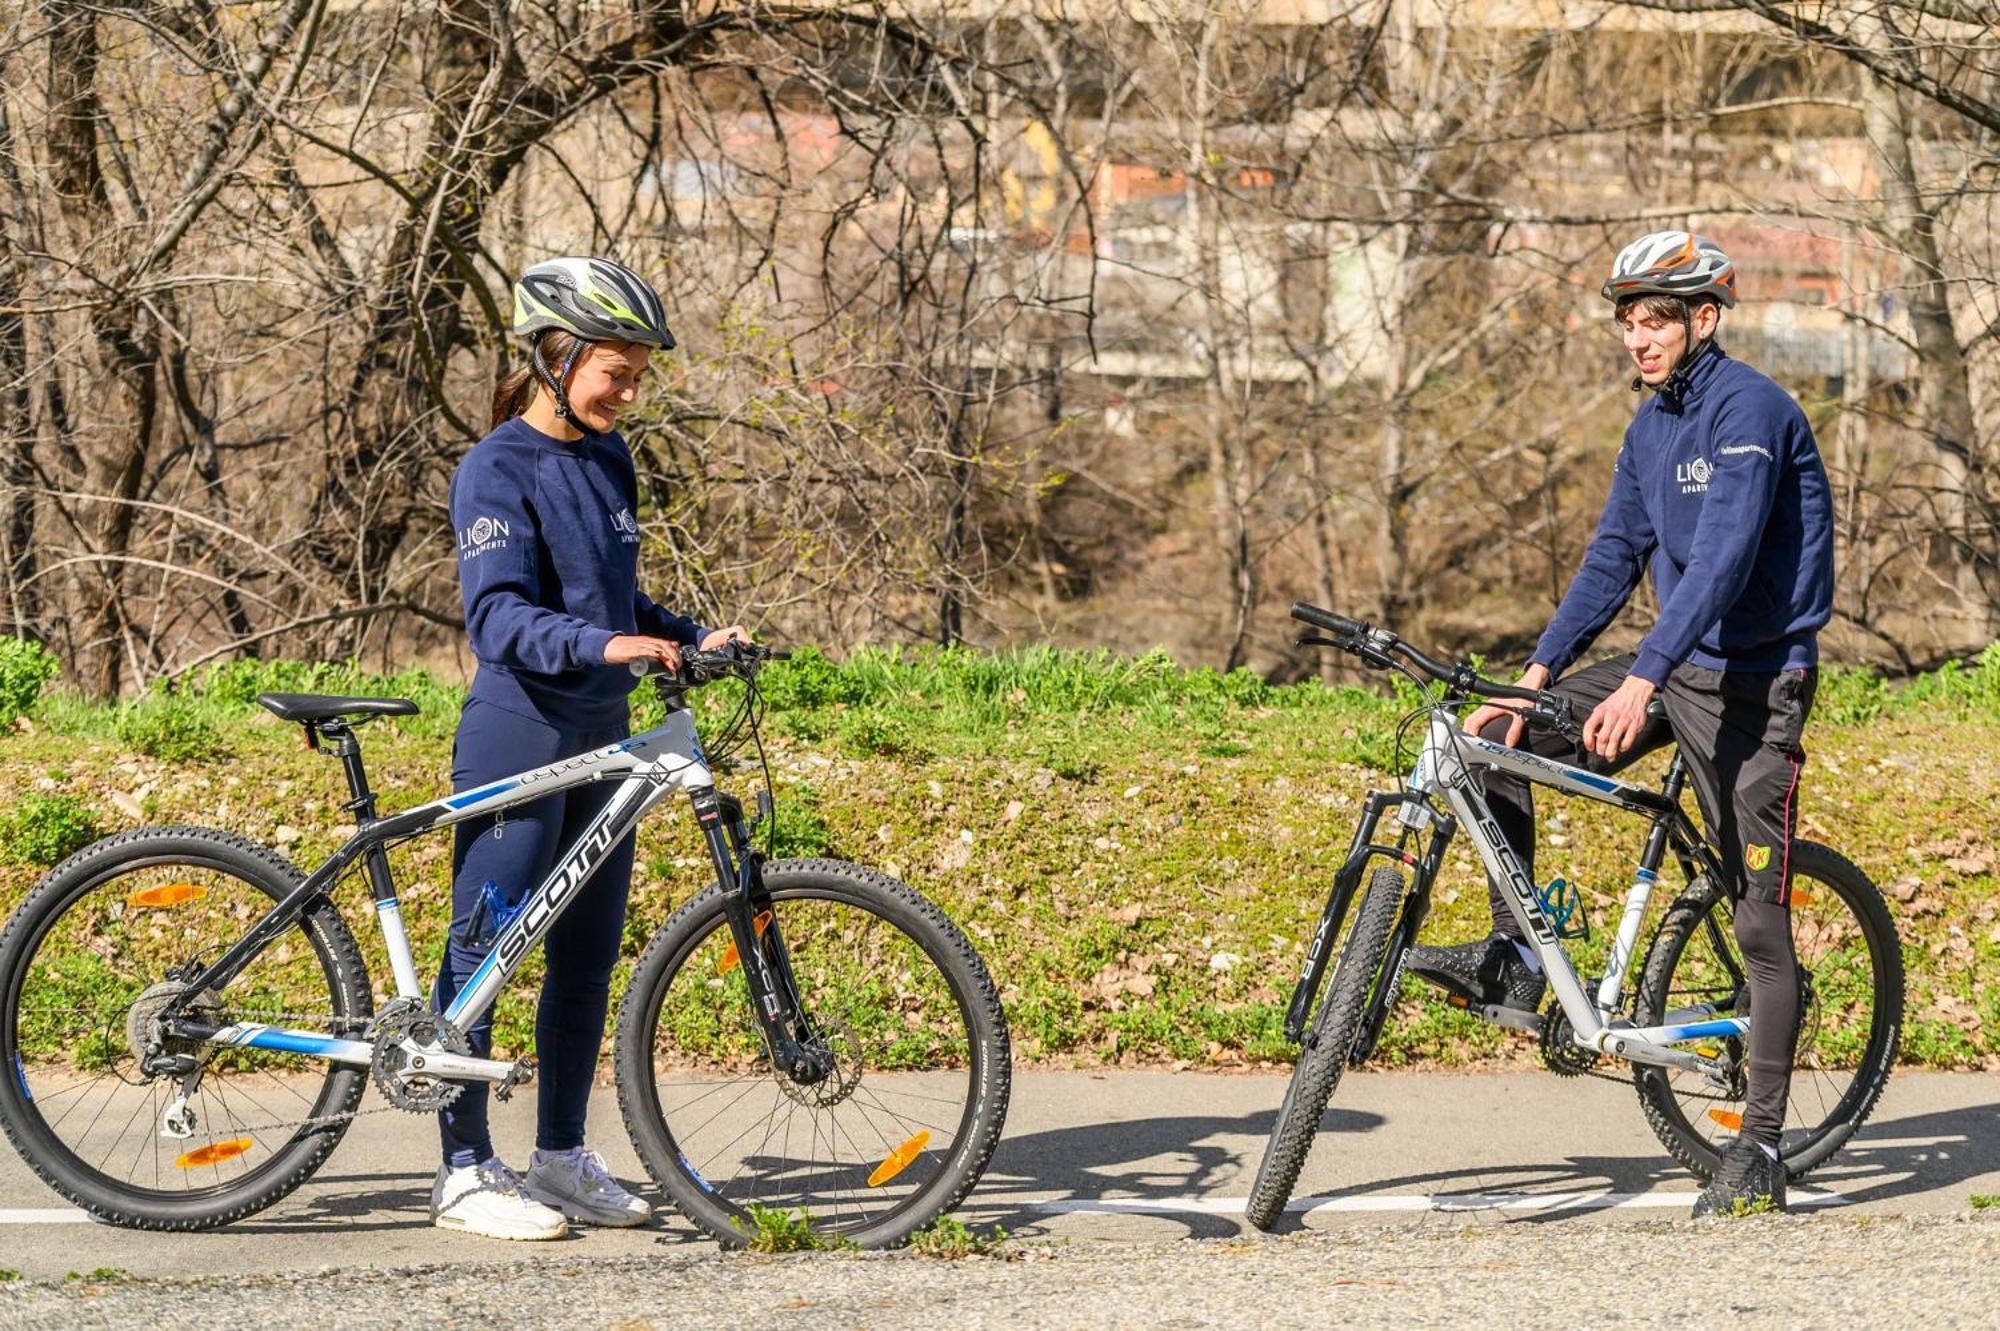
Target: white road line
(46, 1215)
(1453, 1201)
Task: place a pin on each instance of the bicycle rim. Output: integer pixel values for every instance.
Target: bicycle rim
(1848, 1020)
(76, 1029)
(893, 1136)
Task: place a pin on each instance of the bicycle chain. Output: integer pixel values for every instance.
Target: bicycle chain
(311, 1019)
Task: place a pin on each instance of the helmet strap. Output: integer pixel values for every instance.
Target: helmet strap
(557, 381)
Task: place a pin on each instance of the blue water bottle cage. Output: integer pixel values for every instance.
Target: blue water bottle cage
(1561, 904)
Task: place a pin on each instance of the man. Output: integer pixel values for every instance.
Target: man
(1719, 485)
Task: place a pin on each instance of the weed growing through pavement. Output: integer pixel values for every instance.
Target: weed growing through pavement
(951, 1238)
(773, 1229)
(99, 1274)
(1739, 1208)
(1986, 1201)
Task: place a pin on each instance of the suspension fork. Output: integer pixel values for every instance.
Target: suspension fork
(774, 993)
(1339, 898)
(1416, 905)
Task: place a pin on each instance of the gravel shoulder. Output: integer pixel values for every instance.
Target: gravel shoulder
(1762, 1271)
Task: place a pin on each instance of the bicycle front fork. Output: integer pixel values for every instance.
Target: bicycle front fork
(796, 1049)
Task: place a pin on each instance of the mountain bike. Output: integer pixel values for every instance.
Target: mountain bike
(1682, 1027)
(187, 1027)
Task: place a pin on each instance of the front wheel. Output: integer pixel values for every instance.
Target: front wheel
(1328, 1045)
(901, 1129)
(1850, 1017)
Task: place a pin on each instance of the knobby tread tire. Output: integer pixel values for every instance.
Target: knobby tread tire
(672, 944)
(1321, 1062)
(1656, 1097)
(257, 865)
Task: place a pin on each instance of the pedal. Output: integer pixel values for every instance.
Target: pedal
(521, 1074)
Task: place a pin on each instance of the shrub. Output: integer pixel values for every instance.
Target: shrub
(24, 669)
(47, 829)
(798, 829)
(170, 729)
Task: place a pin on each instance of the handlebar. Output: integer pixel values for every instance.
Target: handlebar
(1379, 647)
(737, 659)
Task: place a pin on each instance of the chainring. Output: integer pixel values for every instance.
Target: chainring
(414, 1092)
(1561, 1054)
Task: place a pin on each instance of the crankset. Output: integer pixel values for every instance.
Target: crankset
(399, 1071)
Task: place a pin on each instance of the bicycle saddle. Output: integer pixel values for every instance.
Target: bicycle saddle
(312, 707)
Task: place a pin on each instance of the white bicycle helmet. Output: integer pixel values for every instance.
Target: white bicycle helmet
(1672, 263)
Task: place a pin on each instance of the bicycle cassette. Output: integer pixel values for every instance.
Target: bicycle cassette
(398, 1073)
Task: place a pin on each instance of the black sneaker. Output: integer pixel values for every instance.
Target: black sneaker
(1748, 1181)
(1488, 973)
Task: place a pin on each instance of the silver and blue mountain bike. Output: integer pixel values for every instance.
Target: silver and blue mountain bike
(1682, 1027)
(187, 1027)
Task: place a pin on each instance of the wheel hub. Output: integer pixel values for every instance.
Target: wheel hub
(147, 1038)
(841, 1059)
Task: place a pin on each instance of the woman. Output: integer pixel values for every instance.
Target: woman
(548, 550)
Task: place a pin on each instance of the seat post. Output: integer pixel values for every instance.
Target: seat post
(340, 740)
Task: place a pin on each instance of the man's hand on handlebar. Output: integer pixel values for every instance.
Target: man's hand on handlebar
(629, 647)
(1614, 727)
(1534, 677)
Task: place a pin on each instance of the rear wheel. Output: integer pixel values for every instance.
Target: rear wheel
(1328, 1044)
(903, 1127)
(1851, 1013)
(86, 965)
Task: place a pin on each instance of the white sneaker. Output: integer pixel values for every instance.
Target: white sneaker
(487, 1199)
(577, 1183)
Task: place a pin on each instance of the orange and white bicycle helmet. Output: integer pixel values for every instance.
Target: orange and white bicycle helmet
(1673, 263)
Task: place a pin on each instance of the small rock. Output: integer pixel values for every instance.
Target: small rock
(126, 805)
(1223, 961)
(286, 834)
(1014, 810)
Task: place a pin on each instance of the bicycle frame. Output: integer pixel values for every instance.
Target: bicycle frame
(1452, 765)
(648, 767)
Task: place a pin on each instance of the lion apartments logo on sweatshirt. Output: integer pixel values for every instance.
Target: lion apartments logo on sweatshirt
(483, 535)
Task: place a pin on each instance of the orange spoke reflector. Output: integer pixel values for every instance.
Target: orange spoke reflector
(727, 962)
(213, 1154)
(167, 894)
(899, 1159)
(1734, 1122)
(1800, 897)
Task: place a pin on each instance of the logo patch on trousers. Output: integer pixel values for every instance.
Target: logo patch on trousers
(1757, 857)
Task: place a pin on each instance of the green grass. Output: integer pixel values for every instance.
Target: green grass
(1986, 1201)
(43, 829)
(1740, 1208)
(1139, 851)
(8, 1275)
(99, 1275)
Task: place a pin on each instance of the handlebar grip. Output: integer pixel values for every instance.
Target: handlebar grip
(1326, 619)
(646, 665)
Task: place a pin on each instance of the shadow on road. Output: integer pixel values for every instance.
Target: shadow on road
(1191, 1157)
(1138, 1160)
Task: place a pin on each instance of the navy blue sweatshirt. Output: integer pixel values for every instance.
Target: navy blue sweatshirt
(548, 562)
(1724, 490)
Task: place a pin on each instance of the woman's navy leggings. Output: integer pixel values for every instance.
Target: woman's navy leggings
(516, 849)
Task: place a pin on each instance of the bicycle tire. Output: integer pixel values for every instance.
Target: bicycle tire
(1321, 1062)
(126, 856)
(1815, 867)
(722, 1208)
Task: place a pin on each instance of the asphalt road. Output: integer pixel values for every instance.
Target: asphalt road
(1414, 1178)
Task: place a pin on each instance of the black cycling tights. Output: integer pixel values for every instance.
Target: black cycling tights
(1764, 932)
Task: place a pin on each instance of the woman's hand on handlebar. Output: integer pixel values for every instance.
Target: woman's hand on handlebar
(629, 647)
(720, 638)
(1534, 677)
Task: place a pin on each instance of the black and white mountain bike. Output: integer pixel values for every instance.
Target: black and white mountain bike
(1683, 1026)
(187, 1029)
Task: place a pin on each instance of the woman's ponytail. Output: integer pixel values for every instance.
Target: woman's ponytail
(515, 389)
